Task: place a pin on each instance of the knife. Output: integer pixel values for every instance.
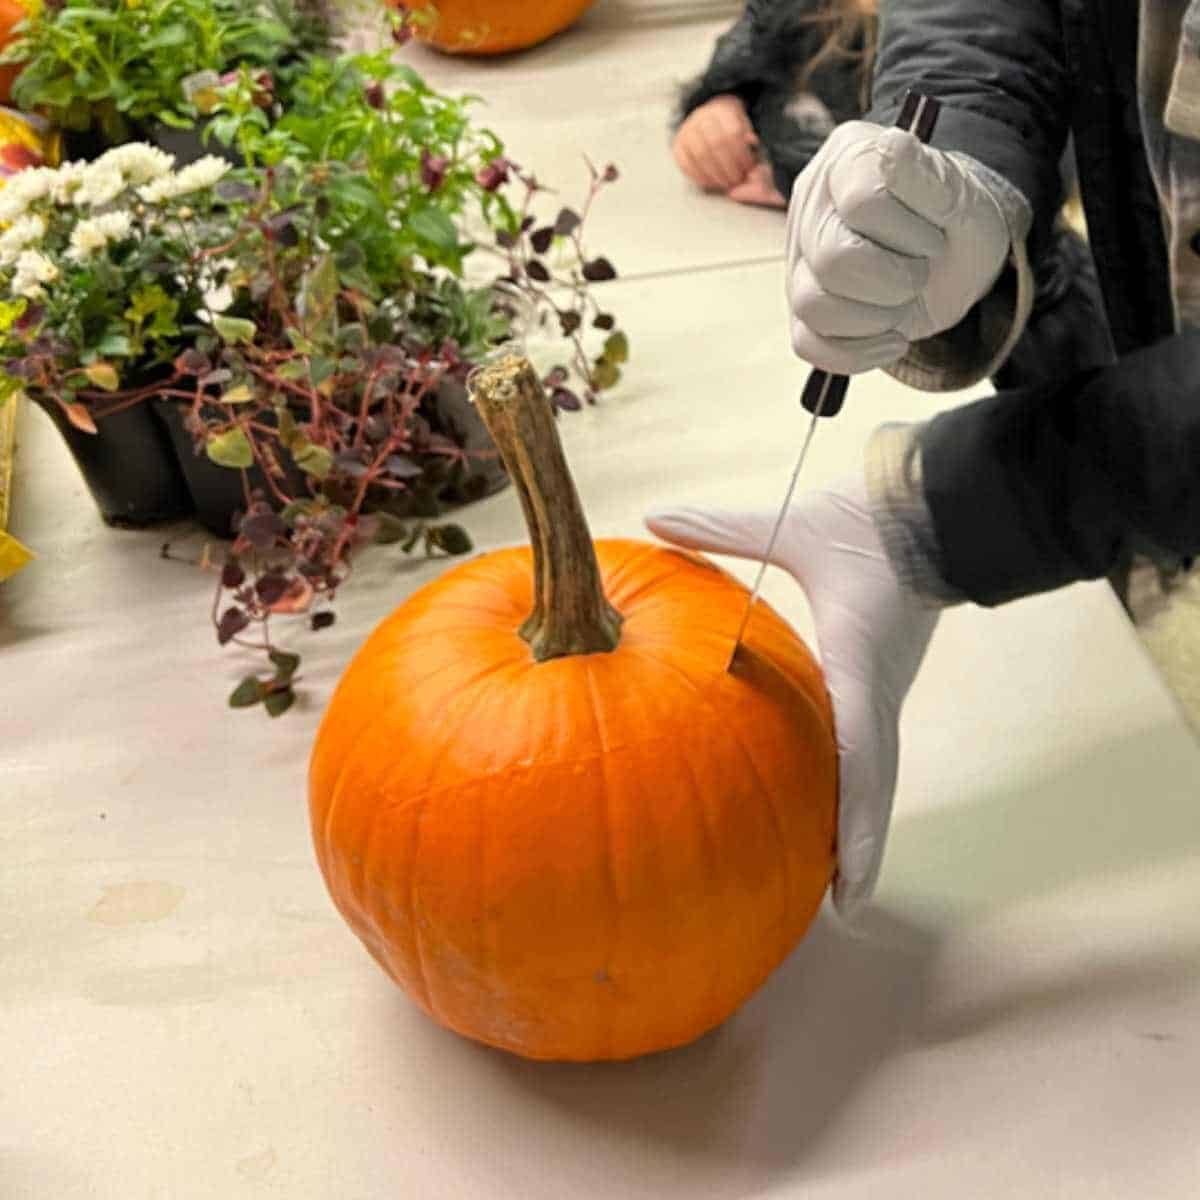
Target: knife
(824, 394)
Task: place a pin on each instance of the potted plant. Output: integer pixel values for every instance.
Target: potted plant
(109, 71)
(299, 330)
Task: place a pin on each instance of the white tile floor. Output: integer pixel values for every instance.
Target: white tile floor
(185, 1017)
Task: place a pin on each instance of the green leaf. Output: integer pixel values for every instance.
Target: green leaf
(146, 301)
(616, 348)
(237, 395)
(169, 117)
(318, 292)
(167, 38)
(103, 375)
(391, 529)
(313, 460)
(320, 369)
(278, 702)
(293, 370)
(605, 374)
(115, 344)
(235, 329)
(435, 227)
(289, 434)
(453, 539)
(247, 693)
(10, 310)
(230, 449)
(285, 665)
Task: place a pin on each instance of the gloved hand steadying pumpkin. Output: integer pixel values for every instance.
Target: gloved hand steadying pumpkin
(889, 242)
(872, 633)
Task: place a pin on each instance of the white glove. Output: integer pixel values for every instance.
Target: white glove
(872, 634)
(888, 242)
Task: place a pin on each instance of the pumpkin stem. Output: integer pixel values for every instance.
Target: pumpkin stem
(571, 614)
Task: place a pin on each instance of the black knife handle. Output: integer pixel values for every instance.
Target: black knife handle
(824, 394)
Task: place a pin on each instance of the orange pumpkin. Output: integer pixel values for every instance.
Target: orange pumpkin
(12, 13)
(492, 26)
(575, 834)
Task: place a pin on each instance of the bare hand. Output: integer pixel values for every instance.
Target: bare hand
(715, 146)
(759, 188)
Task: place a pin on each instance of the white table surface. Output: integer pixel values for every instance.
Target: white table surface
(183, 1016)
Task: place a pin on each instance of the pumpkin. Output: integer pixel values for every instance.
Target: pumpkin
(544, 803)
(491, 26)
(12, 13)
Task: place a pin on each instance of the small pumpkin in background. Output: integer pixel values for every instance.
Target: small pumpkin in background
(491, 26)
(546, 806)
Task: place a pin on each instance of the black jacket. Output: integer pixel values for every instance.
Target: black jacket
(1063, 480)
(1018, 78)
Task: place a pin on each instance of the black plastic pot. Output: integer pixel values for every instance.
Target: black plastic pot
(187, 145)
(129, 466)
(218, 494)
(458, 419)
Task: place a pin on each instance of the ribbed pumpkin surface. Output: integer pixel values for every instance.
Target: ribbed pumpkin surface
(593, 857)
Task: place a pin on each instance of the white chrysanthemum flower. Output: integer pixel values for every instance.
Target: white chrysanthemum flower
(23, 189)
(160, 190)
(196, 177)
(102, 184)
(23, 232)
(138, 162)
(91, 236)
(33, 270)
(67, 181)
(203, 173)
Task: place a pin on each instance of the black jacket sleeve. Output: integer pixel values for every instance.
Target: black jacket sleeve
(752, 56)
(1055, 483)
(998, 68)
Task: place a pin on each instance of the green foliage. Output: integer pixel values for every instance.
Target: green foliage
(119, 65)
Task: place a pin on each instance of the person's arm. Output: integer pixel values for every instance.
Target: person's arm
(1000, 74)
(744, 59)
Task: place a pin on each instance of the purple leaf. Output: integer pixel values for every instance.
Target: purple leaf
(271, 588)
(232, 575)
(322, 620)
(566, 223)
(541, 239)
(536, 269)
(505, 239)
(193, 362)
(604, 321)
(233, 621)
(375, 429)
(599, 270)
(569, 322)
(261, 529)
(349, 462)
(611, 174)
(566, 400)
(400, 466)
